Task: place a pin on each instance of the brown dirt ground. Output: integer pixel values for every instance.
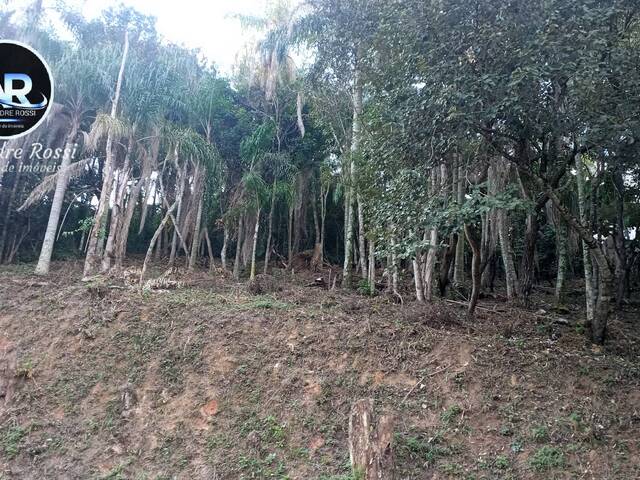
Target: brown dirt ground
(209, 381)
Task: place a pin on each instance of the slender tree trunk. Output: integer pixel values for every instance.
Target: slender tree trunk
(46, 251)
(372, 267)
(418, 268)
(527, 266)
(362, 240)
(586, 255)
(121, 244)
(178, 217)
(562, 252)
(290, 238)
(620, 242)
(317, 259)
(255, 246)
(92, 261)
(508, 257)
(458, 272)
(347, 271)
(476, 275)
(267, 254)
(199, 182)
(236, 263)
(445, 265)
(212, 263)
(432, 254)
(394, 266)
(155, 237)
(225, 243)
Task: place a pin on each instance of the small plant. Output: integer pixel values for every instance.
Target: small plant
(501, 462)
(450, 413)
(517, 446)
(26, 370)
(547, 458)
(540, 434)
(10, 441)
(365, 288)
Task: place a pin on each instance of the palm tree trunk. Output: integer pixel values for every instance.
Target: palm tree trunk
(212, 263)
(236, 263)
(198, 220)
(255, 246)
(155, 237)
(267, 255)
(92, 260)
(46, 251)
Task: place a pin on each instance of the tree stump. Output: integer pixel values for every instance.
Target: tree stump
(370, 442)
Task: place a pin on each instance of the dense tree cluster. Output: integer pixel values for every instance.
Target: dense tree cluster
(460, 146)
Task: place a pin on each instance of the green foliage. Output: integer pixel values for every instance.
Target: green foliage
(547, 458)
(10, 440)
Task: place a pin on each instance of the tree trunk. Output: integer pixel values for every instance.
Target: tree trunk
(347, 271)
(267, 254)
(372, 267)
(458, 272)
(447, 258)
(317, 260)
(562, 252)
(153, 241)
(418, 268)
(290, 238)
(255, 246)
(586, 255)
(56, 205)
(199, 185)
(225, 243)
(92, 260)
(121, 244)
(117, 212)
(236, 263)
(212, 264)
(370, 443)
(178, 216)
(508, 257)
(527, 266)
(362, 240)
(476, 275)
(620, 242)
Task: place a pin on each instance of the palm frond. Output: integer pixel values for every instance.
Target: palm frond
(49, 183)
(103, 126)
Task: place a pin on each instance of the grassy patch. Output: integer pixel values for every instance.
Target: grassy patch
(10, 441)
(547, 458)
(450, 414)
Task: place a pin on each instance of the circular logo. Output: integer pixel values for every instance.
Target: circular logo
(26, 89)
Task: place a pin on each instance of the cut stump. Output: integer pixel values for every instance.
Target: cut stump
(370, 442)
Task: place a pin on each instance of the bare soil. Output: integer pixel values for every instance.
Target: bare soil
(211, 381)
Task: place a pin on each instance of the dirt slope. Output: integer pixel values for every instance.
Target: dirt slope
(210, 381)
